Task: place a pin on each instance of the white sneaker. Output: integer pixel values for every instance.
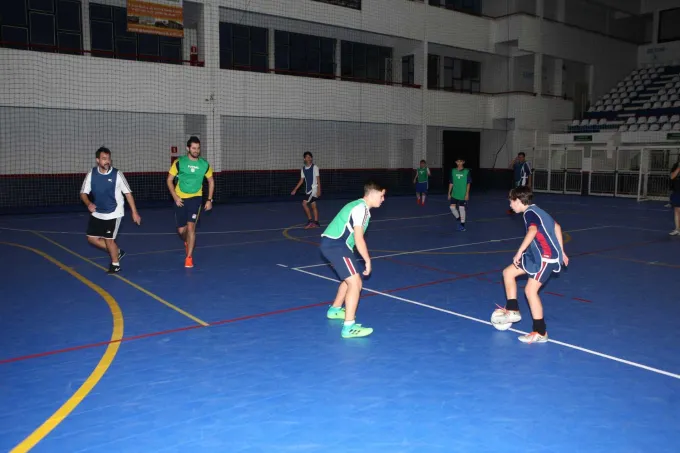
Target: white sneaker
(534, 337)
(675, 233)
(504, 316)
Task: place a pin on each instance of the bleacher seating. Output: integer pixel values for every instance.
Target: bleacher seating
(647, 100)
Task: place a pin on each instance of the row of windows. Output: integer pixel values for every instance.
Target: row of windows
(55, 25)
(457, 74)
(46, 24)
(247, 48)
(41, 24)
(354, 4)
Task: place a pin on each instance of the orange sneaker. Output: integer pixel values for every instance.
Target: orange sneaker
(189, 262)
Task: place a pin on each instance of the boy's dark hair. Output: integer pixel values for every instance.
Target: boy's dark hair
(521, 153)
(102, 150)
(193, 139)
(307, 153)
(675, 166)
(422, 161)
(459, 158)
(372, 185)
(521, 193)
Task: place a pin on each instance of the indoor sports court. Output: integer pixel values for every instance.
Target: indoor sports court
(257, 122)
(237, 354)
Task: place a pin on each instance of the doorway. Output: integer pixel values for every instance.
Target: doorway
(463, 144)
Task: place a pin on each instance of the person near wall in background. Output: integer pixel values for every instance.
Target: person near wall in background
(459, 191)
(422, 182)
(190, 170)
(102, 192)
(309, 176)
(342, 237)
(521, 173)
(675, 197)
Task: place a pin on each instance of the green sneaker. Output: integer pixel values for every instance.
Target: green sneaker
(335, 313)
(356, 331)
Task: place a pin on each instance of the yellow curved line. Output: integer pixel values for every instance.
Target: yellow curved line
(133, 284)
(566, 238)
(111, 349)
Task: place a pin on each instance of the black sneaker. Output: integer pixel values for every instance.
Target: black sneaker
(113, 269)
(121, 254)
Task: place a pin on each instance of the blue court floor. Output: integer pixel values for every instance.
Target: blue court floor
(236, 354)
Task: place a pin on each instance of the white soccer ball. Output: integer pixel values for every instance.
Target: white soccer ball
(501, 326)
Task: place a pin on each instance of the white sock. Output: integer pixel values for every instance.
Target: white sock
(349, 323)
(454, 211)
(462, 214)
(116, 264)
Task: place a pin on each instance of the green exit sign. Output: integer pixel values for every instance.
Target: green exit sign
(583, 138)
(673, 136)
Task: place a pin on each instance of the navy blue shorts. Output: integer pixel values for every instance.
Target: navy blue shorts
(458, 202)
(541, 271)
(189, 212)
(421, 187)
(675, 199)
(341, 258)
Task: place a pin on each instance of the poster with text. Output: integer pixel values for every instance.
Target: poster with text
(156, 17)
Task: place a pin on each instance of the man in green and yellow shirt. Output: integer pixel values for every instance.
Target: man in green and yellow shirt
(189, 171)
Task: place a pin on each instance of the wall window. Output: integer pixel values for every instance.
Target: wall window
(462, 75)
(408, 70)
(304, 54)
(354, 4)
(364, 62)
(244, 48)
(110, 38)
(433, 71)
(45, 25)
(465, 6)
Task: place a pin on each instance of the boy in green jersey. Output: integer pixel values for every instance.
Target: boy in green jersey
(338, 241)
(459, 191)
(188, 193)
(421, 180)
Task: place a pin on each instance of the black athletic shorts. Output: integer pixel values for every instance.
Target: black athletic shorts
(107, 229)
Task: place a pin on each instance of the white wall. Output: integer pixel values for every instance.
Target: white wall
(351, 124)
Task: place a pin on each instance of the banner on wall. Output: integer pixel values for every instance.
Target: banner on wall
(156, 17)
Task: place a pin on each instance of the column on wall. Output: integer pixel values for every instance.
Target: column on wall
(423, 93)
(85, 14)
(538, 73)
(538, 57)
(272, 48)
(338, 57)
(557, 77)
(210, 27)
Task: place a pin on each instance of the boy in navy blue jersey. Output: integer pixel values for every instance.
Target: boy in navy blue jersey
(541, 254)
(309, 176)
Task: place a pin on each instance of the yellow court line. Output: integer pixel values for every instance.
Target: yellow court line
(134, 285)
(93, 379)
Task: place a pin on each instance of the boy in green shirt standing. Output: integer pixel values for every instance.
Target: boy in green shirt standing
(338, 241)
(188, 193)
(421, 180)
(459, 191)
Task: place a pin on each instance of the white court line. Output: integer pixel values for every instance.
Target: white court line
(626, 227)
(481, 321)
(22, 230)
(415, 252)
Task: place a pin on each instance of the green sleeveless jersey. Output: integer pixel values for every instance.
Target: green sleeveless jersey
(460, 179)
(190, 174)
(422, 174)
(342, 226)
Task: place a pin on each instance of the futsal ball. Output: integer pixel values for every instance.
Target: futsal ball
(501, 326)
(495, 321)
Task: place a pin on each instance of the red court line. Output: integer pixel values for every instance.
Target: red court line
(479, 276)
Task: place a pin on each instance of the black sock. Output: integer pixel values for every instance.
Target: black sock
(539, 326)
(512, 305)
